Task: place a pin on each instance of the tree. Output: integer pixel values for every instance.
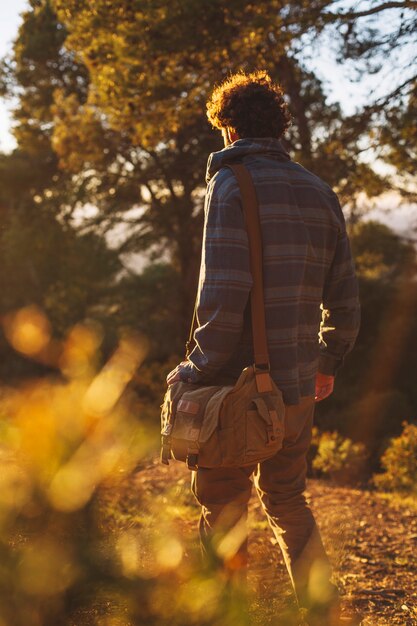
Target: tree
(131, 133)
(142, 136)
(376, 40)
(37, 67)
(44, 260)
(153, 91)
(380, 253)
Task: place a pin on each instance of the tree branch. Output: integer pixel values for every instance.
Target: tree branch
(382, 101)
(351, 15)
(162, 169)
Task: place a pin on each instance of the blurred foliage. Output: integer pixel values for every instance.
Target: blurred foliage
(339, 458)
(64, 446)
(376, 389)
(380, 253)
(399, 463)
(151, 303)
(45, 262)
(48, 264)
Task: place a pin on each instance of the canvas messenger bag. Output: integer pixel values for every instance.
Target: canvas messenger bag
(232, 425)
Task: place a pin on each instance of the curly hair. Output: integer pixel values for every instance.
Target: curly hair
(250, 104)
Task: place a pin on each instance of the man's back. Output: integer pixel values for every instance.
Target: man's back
(306, 262)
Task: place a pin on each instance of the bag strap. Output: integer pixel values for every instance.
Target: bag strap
(253, 227)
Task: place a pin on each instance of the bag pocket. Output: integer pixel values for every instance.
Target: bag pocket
(264, 430)
(197, 413)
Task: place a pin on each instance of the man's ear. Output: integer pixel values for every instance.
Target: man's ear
(232, 135)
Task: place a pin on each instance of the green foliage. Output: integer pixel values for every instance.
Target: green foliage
(166, 105)
(380, 253)
(399, 462)
(376, 387)
(400, 133)
(49, 264)
(151, 303)
(339, 457)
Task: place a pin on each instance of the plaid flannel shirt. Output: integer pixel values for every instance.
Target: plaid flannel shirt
(310, 289)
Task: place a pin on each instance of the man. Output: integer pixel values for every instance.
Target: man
(312, 320)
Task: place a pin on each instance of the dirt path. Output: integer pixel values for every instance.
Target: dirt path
(372, 543)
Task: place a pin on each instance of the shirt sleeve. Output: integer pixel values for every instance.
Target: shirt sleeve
(225, 281)
(340, 307)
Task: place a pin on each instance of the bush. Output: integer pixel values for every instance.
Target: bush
(372, 418)
(400, 463)
(339, 458)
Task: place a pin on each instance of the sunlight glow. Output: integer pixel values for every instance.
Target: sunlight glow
(109, 384)
(170, 553)
(28, 330)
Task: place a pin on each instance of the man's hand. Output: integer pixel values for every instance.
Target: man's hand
(324, 386)
(174, 375)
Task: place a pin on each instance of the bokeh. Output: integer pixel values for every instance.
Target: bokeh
(101, 205)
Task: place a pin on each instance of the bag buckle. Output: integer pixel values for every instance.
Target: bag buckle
(271, 436)
(192, 461)
(261, 368)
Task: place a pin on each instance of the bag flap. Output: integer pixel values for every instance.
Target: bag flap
(190, 410)
(211, 417)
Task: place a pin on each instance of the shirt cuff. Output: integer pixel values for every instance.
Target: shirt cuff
(329, 365)
(190, 374)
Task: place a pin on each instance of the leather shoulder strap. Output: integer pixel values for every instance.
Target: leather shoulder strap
(253, 227)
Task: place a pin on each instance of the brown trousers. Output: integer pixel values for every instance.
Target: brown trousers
(280, 483)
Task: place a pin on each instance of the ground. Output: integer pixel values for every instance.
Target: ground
(371, 540)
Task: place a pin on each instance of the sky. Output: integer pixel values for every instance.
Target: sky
(10, 11)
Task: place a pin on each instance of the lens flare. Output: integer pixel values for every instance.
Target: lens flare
(108, 386)
(28, 330)
(169, 553)
(80, 350)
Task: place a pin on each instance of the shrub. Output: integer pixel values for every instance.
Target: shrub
(339, 457)
(400, 463)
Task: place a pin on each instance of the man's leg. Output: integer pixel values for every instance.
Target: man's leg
(224, 494)
(280, 482)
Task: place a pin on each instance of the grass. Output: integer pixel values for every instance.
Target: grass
(399, 500)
